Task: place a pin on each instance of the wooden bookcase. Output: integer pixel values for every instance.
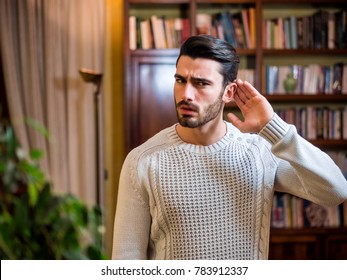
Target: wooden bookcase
(149, 103)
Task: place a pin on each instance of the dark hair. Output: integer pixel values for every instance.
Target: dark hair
(209, 47)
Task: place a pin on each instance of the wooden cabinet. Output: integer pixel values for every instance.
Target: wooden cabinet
(149, 101)
(308, 244)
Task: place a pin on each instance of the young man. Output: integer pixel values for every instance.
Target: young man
(203, 188)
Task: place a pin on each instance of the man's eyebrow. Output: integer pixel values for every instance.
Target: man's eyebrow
(201, 80)
(179, 76)
(194, 79)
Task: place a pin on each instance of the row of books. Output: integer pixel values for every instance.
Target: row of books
(238, 28)
(313, 123)
(158, 32)
(320, 30)
(246, 75)
(310, 79)
(289, 211)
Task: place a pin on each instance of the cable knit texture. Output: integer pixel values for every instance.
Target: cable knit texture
(183, 201)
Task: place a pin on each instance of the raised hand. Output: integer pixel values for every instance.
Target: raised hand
(256, 110)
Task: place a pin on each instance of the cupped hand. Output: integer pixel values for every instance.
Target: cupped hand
(255, 108)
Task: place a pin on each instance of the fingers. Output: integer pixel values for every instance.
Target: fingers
(241, 95)
(246, 89)
(235, 120)
(240, 99)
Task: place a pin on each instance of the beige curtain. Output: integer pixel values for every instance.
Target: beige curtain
(43, 45)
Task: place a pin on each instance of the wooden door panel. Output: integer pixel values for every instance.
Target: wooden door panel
(152, 97)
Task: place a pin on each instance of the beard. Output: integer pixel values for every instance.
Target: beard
(210, 113)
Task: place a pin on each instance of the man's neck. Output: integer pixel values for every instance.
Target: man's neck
(205, 135)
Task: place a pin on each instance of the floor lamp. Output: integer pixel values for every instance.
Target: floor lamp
(90, 76)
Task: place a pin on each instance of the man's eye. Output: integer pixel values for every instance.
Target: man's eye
(201, 84)
(179, 81)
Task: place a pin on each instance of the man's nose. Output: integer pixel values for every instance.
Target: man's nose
(188, 92)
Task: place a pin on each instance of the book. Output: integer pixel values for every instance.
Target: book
(252, 27)
(169, 33)
(311, 123)
(308, 25)
(340, 29)
(279, 34)
(310, 79)
(245, 21)
(186, 29)
(158, 32)
(344, 123)
(300, 33)
(132, 33)
(277, 212)
(268, 38)
(218, 26)
(287, 34)
(229, 32)
(239, 30)
(146, 34)
(246, 75)
(203, 24)
(272, 33)
(337, 78)
(271, 79)
(178, 31)
(331, 30)
(320, 29)
(293, 32)
(344, 79)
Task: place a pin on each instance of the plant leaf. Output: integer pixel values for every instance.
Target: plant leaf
(36, 154)
(33, 194)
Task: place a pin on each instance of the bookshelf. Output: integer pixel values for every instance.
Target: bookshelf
(148, 97)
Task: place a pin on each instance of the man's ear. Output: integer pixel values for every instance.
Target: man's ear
(229, 92)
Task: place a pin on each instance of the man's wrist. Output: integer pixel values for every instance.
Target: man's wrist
(274, 130)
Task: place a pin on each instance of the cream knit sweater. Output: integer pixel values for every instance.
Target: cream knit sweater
(182, 201)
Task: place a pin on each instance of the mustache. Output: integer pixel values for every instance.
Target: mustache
(187, 105)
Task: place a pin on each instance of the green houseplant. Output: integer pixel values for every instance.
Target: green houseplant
(36, 223)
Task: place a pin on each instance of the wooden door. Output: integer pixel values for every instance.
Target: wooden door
(150, 101)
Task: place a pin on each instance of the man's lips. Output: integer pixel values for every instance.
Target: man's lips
(187, 110)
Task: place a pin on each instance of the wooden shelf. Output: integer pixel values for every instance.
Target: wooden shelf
(275, 232)
(305, 2)
(307, 98)
(171, 52)
(155, 52)
(160, 2)
(308, 244)
(330, 144)
(300, 52)
(226, 1)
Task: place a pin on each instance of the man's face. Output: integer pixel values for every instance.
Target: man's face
(198, 91)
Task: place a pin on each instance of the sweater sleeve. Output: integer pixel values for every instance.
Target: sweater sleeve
(303, 169)
(132, 219)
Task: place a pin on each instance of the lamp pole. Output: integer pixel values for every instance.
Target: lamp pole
(91, 76)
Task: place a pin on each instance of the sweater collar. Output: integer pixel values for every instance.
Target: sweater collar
(199, 149)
